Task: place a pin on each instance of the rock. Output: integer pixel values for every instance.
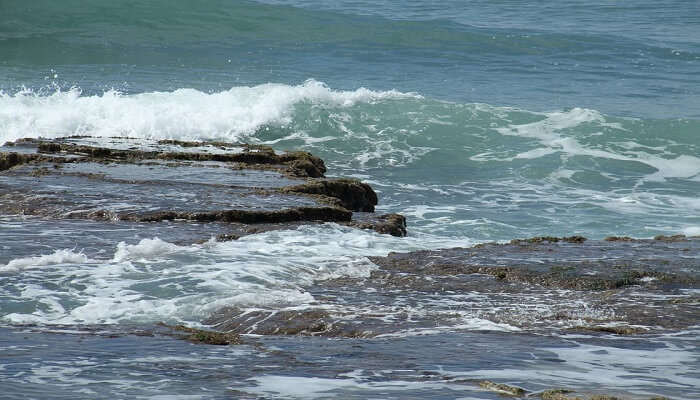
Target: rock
(608, 277)
(502, 388)
(329, 214)
(309, 322)
(558, 394)
(203, 336)
(550, 239)
(352, 194)
(297, 163)
(617, 330)
(619, 239)
(251, 188)
(674, 238)
(392, 224)
(10, 160)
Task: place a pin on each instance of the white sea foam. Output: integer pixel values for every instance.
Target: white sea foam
(145, 249)
(185, 114)
(692, 231)
(154, 280)
(58, 257)
(467, 324)
(549, 131)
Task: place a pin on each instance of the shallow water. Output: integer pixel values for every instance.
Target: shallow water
(289, 367)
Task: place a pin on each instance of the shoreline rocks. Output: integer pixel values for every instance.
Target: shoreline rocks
(138, 180)
(594, 286)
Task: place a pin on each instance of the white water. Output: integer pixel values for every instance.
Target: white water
(154, 280)
(185, 114)
(58, 257)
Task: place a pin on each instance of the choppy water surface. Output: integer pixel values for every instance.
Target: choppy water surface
(480, 121)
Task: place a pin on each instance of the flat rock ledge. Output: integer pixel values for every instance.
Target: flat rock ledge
(544, 284)
(241, 188)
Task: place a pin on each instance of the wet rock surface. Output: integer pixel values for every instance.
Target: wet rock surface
(631, 287)
(202, 336)
(137, 180)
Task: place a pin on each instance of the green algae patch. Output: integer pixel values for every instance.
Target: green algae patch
(11, 160)
(672, 238)
(503, 388)
(558, 394)
(202, 336)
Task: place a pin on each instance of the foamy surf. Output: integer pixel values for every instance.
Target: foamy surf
(58, 257)
(551, 132)
(185, 114)
(154, 280)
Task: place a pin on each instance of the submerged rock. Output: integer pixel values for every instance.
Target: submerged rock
(502, 388)
(558, 394)
(603, 287)
(305, 322)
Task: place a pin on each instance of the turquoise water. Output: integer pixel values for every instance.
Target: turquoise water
(478, 120)
(488, 120)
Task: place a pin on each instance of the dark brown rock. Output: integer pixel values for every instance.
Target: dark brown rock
(328, 214)
(502, 388)
(353, 194)
(673, 238)
(392, 224)
(558, 394)
(550, 239)
(203, 336)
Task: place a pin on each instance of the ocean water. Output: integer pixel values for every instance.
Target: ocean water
(477, 120)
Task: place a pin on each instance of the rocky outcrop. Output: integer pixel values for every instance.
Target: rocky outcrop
(251, 188)
(202, 336)
(351, 194)
(298, 163)
(10, 160)
(305, 322)
(328, 214)
(392, 224)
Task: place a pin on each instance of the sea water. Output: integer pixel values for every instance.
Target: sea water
(478, 121)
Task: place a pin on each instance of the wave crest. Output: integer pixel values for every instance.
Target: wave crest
(64, 256)
(186, 114)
